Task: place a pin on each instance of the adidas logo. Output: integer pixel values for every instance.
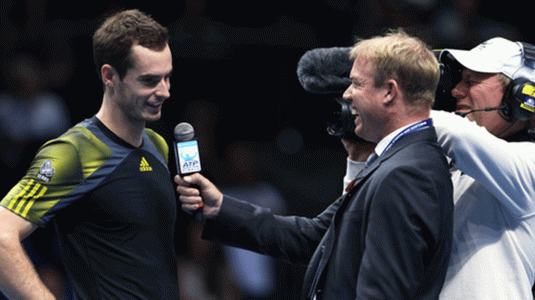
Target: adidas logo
(144, 165)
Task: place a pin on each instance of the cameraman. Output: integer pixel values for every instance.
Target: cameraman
(493, 172)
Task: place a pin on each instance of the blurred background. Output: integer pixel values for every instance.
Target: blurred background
(262, 137)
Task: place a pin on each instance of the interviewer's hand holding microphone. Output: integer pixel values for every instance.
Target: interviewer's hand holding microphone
(198, 195)
(198, 192)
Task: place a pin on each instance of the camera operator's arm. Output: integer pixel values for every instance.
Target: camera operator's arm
(504, 168)
(358, 152)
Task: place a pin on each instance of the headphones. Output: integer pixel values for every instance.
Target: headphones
(519, 97)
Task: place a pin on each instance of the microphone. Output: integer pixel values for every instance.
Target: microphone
(463, 114)
(325, 70)
(187, 155)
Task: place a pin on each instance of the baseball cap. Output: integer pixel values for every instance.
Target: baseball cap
(497, 55)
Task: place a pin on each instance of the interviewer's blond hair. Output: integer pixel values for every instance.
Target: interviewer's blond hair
(406, 59)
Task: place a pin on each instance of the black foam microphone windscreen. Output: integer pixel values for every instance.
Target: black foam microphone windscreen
(325, 70)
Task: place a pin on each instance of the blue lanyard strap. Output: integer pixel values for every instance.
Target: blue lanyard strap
(414, 127)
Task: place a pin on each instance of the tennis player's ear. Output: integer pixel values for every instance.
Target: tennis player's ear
(109, 76)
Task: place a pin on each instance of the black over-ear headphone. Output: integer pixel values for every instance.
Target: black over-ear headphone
(519, 97)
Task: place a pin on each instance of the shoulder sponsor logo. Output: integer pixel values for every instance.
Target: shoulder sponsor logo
(144, 165)
(46, 171)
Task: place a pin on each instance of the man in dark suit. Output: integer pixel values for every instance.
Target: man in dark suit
(389, 236)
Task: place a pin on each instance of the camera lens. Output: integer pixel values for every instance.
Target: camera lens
(341, 121)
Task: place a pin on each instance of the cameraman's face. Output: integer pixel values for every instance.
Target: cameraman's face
(479, 91)
(366, 101)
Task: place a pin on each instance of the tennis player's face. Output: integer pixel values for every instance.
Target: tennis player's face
(146, 85)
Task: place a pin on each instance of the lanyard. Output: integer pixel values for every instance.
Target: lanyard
(414, 127)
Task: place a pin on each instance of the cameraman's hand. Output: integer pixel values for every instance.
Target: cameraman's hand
(206, 195)
(357, 148)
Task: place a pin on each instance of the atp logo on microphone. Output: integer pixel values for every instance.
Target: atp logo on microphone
(188, 156)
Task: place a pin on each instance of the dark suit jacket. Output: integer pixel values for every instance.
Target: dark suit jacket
(388, 238)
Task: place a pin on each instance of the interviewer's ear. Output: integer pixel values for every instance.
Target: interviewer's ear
(391, 89)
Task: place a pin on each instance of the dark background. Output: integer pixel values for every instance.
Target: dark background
(240, 57)
(235, 72)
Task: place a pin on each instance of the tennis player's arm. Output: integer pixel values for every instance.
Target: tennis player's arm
(18, 277)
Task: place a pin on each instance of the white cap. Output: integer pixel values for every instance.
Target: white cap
(497, 55)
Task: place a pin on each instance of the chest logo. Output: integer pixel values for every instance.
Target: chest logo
(144, 165)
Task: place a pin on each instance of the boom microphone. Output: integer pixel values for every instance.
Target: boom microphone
(463, 114)
(325, 70)
(187, 155)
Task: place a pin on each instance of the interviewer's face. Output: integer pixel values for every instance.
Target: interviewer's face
(366, 101)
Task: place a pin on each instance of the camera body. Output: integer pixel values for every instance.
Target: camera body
(341, 123)
(450, 76)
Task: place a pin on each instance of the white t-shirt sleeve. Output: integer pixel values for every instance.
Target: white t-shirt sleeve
(506, 169)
